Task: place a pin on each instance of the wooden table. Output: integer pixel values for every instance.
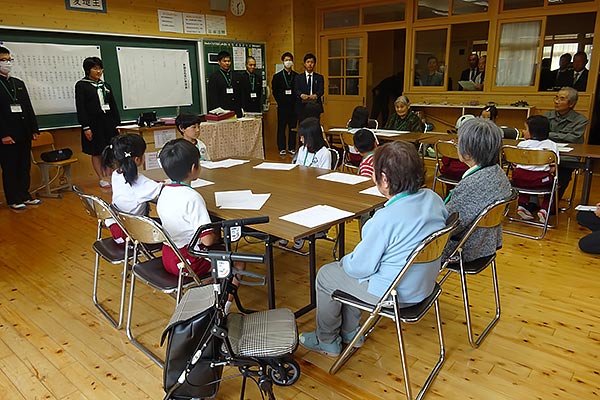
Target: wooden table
(291, 191)
(229, 138)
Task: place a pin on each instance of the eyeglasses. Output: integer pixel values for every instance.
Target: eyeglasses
(6, 60)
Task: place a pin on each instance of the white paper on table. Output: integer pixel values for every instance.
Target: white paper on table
(388, 132)
(196, 183)
(563, 147)
(581, 207)
(372, 191)
(230, 162)
(315, 216)
(128, 126)
(275, 166)
(241, 200)
(340, 177)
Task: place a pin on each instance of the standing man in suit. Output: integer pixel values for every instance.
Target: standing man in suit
(18, 126)
(563, 76)
(470, 73)
(283, 92)
(309, 89)
(251, 84)
(224, 86)
(580, 72)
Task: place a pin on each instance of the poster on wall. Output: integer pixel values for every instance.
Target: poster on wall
(170, 21)
(50, 72)
(216, 25)
(154, 77)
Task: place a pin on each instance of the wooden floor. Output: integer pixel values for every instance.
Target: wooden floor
(54, 344)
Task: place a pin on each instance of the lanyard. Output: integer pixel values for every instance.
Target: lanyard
(227, 80)
(306, 156)
(447, 199)
(183, 184)
(396, 198)
(13, 94)
(287, 84)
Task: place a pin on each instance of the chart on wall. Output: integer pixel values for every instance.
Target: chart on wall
(50, 72)
(153, 77)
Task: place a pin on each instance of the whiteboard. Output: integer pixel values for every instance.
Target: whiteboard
(154, 77)
(50, 72)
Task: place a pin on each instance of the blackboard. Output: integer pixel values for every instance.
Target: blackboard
(210, 49)
(108, 45)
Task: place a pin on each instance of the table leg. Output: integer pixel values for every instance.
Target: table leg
(312, 277)
(342, 240)
(587, 180)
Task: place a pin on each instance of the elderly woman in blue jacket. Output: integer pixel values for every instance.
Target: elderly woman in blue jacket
(410, 214)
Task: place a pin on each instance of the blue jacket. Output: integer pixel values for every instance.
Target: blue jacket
(388, 239)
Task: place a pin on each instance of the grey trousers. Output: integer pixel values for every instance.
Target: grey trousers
(334, 318)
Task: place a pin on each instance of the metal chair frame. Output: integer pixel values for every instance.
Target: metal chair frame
(144, 230)
(533, 157)
(347, 140)
(430, 249)
(104, 247)
(490, 217)
(448, 149)
(63, 168)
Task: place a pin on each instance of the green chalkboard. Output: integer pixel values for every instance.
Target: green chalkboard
(211, 47)
(108, 45)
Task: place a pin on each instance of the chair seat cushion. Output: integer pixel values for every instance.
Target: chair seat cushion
(154, 274)
(473, 267)
(108, 249)
(407, 314)
(270, 333)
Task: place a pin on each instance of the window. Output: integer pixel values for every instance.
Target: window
(466, 40)
(518, 4)
(460, 7)
(384, 13)
(518, 52)
(344, 64)
(430, 56)
(433, 8)
(341, 18)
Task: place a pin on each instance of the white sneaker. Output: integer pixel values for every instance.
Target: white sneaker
(18, 206)
(298, 244)
(33, 202)
(227, 307)
(282, 153)
(103, 183)
(542, 215)
(524, 213)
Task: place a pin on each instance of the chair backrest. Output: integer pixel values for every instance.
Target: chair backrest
(335, 158)
(510, 132)
(516, 155)
(44, 142)
(95, 206)
(430, 249)
(372, 123)
(446, 148)
(347, 139)
(143, 229)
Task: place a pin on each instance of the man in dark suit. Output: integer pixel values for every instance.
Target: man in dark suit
(580, 72)
(309, 89)
(283, 92)
(251, 84)
(18, 126)
(470, 73)
(563, 76)
(223, 88)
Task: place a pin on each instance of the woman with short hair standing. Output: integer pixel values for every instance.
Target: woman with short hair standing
(97, 112)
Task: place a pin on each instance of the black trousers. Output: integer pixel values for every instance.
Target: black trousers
(15, 160)
(591, 242)
(286, 118)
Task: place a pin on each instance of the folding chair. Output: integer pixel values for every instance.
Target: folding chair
(448, 149)
(533, 157)
(430, 249)
(106, 248)
(144, 230)
(509, 132)
(347, 140)
(45, 142)
(335, 158)
(490, 217)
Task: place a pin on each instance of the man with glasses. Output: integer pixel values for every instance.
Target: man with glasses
(566, 126)
(18, 126)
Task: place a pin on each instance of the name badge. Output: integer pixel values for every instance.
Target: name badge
(253, 95)
(288, 91)
(229, 90)
(105, 107)
(16, 108)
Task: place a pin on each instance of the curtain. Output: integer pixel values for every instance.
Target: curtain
(517, 59)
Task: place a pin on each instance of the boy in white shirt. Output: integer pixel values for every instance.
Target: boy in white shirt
(189, 127)
(537, 128)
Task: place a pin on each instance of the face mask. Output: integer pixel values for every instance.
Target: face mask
(5, 67)
(288, 64)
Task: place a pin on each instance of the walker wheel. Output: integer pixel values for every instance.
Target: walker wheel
(286, 373)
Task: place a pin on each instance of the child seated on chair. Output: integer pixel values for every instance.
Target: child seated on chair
(313, 151)
(365, 142)
(359, 120)
(182, 209)
(131, 191)
(189, 127)
(537, 128)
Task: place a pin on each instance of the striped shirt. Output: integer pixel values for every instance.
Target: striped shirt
(366, 165)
